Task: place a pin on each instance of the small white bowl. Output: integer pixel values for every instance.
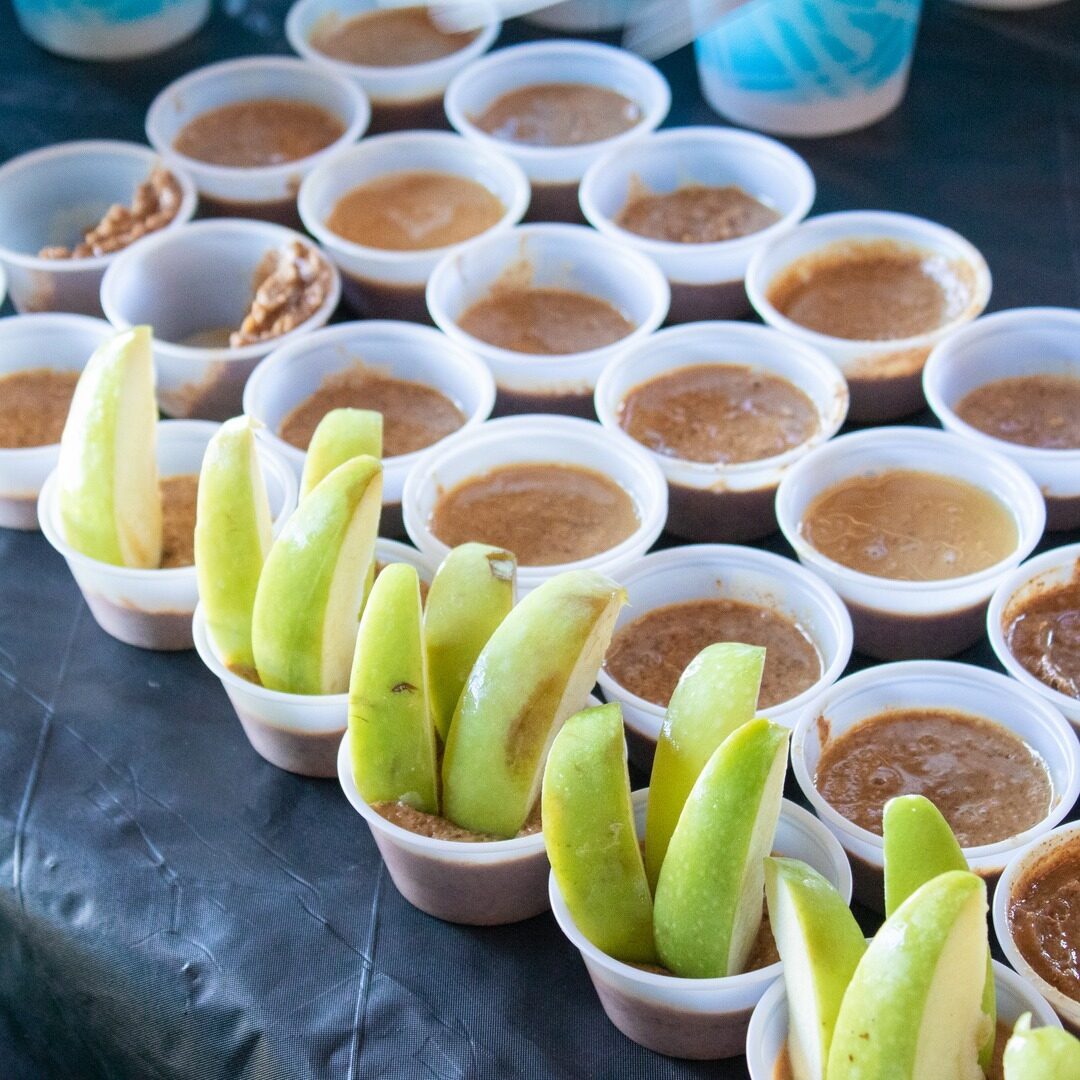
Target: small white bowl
(716, 502)
(152, 609)
(1025, 341)
(885, 377)
(291, 374)
(55, 341)
(895, 619)
(267, 191)
(554, 171)
(559, 256)
(211, 265)
(930, 684)
(706, 279)
(52, 196)
(698, 1018)
(390, 284)
(1054, 568)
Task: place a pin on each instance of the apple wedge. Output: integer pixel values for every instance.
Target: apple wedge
(308, 601)
(536, 669)
(590, 836)
(1041, 1053)
(472, 592)
(107, 474)
(341, 434)
(710, 893)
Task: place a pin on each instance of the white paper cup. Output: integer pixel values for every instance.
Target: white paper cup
(559, 256)
(267, 191)
(1026, 341)
(291, 374)
(152, 609)
(390, 284)
(713, 502)
(58, 342)
(554, 171)
(895, 619)
(706, 279)
(51, 197)
(885, 377)
(933, 685)
(212, 266)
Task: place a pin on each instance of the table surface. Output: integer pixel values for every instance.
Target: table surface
(173, 907)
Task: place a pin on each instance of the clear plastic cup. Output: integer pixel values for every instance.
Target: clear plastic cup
(59, 342)
(291, 374)
(896, 619)
(885, 377)
(936, 685)
(554, 171)
(267, 191)
(152, 609)
(1026, 341)
(390, 284)
(706, 279)
(561, 439)
(557, 256)
(718, 502)
(212, 265)
(51, 197)
(698, 1018)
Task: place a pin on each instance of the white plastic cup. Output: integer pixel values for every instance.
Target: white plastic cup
(390, 284)
(698, 1018)
(896, 619)
(197, 278)
(559, 256)
(706, 279)
(724, 502)
(51, 197)
(1025, 341)
(554, 171)
(291, 374)
(557, 439)
(885, 377)
(267, 191)
(933, 685)
(60, 343)
(152, 609)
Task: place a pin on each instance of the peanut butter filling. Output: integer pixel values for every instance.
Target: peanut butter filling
(694, 213)
(34, 405)
(1030, 410)
(178, 497)
(394, 37)
(1043, 633)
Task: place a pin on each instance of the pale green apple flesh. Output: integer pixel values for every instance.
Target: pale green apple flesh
(1041, 1053)
(341, 434)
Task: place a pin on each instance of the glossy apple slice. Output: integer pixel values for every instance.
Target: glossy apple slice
(341, 434)
(1041, 1053)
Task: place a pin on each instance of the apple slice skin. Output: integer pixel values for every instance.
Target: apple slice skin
(1041, 1053)
(340, 435)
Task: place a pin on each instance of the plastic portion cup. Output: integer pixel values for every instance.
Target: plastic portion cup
(698, 1018)
(554, 171)
(291, 374)
(706, 279)
(57, 342)
(267, 191)
(1026, 341)
(213, 266)
(567, 257)
(716, 501)
(51, 197)
(152, 609)
(896, 619)
(388, 283)
(949, 687)
(885, 377)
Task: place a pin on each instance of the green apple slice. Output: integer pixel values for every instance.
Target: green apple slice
(1041, 1053)
(820, 944)
(536, 669)
(913, 1008)
(107, 474)
(472, 592)
(716, 694)
(710, 893)
(391, 735)
(341, 434)
(312, 586)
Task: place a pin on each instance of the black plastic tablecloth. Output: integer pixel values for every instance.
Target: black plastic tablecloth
(173, 907)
